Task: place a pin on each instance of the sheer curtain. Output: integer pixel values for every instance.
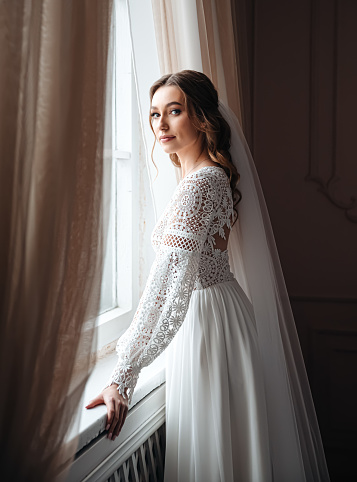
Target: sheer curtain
(199, 35)
(53, 64)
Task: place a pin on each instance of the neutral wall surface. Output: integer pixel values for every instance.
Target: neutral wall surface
(302, 78)
(304, 112)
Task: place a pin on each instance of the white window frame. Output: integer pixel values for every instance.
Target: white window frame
(111, 324)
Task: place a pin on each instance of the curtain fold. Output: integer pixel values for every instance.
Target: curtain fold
(215, 52)
(219, 50)
(242, 20)
(53, 72)
(165, 34)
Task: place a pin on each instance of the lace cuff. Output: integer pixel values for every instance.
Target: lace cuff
(126, 377)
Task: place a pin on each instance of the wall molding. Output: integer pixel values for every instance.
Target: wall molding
(323, 171)
(322, 299)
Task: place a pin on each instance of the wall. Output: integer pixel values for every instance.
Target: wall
(303, 103)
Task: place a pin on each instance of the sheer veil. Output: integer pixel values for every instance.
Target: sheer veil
(295, 442)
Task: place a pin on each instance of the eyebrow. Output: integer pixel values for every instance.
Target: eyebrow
(167, 105)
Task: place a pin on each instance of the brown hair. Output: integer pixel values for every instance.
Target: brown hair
(201, 102)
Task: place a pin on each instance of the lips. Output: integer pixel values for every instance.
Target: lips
(166, 138)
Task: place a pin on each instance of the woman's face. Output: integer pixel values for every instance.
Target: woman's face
(172, 126)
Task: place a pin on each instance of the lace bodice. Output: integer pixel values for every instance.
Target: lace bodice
(186, 260)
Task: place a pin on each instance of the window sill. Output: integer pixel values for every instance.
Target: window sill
(146, 414)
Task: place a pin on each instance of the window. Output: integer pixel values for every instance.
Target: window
(120, 286)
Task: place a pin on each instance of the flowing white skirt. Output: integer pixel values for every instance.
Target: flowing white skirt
(216, 422)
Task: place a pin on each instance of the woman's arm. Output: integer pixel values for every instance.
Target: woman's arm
(164, 303)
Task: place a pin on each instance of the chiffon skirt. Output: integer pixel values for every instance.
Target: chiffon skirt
(216, 422)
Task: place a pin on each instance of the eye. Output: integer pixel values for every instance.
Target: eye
(175, 111)
(154, 115)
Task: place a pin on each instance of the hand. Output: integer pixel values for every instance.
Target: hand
(117, 409)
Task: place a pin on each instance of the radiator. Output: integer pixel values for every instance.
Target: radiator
(146, 464)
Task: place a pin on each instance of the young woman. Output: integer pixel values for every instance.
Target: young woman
(238, 406)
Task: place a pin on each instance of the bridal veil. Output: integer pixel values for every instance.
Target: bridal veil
(294, 436)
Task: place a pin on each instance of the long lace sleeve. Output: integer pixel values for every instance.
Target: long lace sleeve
(164, 303)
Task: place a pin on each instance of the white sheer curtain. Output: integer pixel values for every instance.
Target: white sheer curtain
(199, 35)
(147, 71)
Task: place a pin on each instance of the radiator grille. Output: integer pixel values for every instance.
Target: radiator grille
(146, 464)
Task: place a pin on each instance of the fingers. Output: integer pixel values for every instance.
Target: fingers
(117, 412)
(113, 415)
(117, 426)
(122, 417)
(96, 401)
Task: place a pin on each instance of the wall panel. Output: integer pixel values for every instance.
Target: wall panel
(303, 72)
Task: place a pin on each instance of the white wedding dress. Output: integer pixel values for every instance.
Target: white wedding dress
(216, 414)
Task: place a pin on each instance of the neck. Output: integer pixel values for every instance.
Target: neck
(192, 160)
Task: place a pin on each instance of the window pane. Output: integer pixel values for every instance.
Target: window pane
(118, 176)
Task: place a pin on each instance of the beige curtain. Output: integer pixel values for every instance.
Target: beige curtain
(213, 20)
(242, 19)
(53, 63)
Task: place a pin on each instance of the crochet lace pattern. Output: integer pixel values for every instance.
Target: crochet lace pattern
(186, 259)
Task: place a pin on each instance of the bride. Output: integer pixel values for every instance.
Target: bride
(238, 404)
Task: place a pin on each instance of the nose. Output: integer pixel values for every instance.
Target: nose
(163, 125)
